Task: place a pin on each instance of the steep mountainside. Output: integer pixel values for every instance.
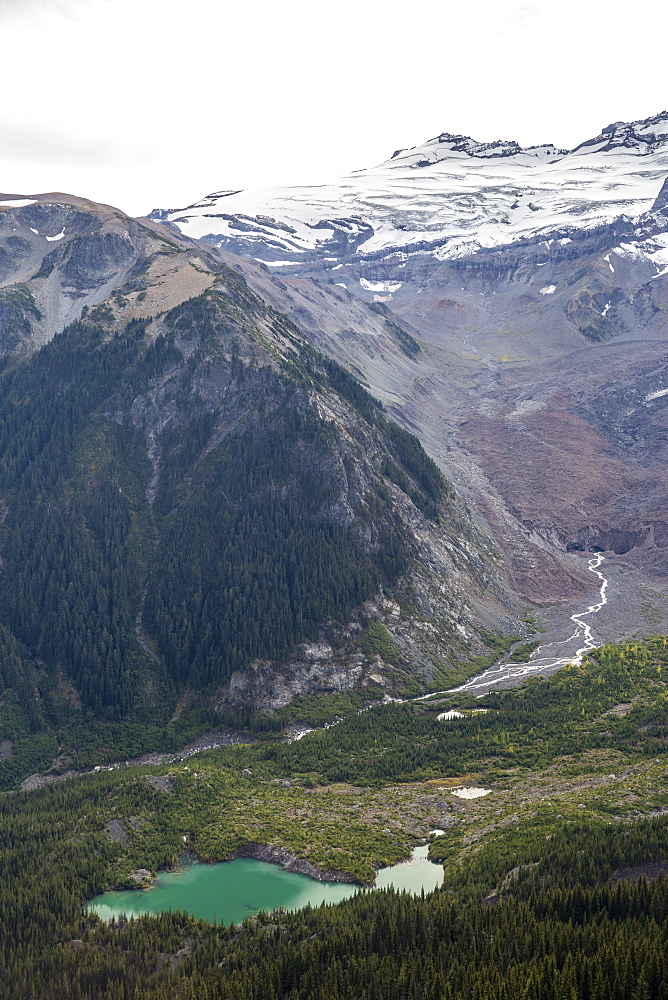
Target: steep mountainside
(59, 254)
(534, 283)
(199, 509)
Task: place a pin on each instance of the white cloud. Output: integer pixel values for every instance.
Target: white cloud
(520, 16)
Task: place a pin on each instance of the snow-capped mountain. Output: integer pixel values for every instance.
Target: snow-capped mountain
(533, 287)
(449, 197)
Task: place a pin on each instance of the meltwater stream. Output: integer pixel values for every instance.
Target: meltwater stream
(542, 659)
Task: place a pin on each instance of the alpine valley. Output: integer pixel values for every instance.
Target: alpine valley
(534, 282)
(306, 495)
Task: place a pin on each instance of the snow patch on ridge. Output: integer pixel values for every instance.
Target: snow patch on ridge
(380, 286)
(16, 202)
(471, 792)
(656, 395)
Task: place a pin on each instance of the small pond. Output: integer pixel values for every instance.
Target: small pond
(229, 892)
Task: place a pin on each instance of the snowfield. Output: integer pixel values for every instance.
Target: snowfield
(450, 196)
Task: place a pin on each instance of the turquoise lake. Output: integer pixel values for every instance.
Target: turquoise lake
(233, 890)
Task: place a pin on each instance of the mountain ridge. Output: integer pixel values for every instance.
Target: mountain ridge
(450, 196)
(204, 515)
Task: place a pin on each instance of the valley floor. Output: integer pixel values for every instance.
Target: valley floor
(576, 779)
(636, 606)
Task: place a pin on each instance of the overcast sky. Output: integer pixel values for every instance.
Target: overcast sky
(151, 103)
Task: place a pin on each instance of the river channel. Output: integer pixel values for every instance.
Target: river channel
(228, 892)
(543, 660)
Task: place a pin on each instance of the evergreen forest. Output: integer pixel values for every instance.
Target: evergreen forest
(562, 900)
(175, 506)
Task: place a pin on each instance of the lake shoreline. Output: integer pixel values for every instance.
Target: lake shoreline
(291, 863)
(246, 885)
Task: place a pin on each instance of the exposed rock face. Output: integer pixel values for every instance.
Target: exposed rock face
(117, 833)
(142, 877)
(34, 781)
(291, 863)
(661, 202)
(163, 782)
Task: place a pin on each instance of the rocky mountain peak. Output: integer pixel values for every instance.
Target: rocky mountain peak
(448, 144)
(66, 255)
(503, 261)
(645, 135)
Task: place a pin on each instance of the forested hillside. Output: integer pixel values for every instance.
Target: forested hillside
(563, 933)
(545, 894)
(182, 497)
